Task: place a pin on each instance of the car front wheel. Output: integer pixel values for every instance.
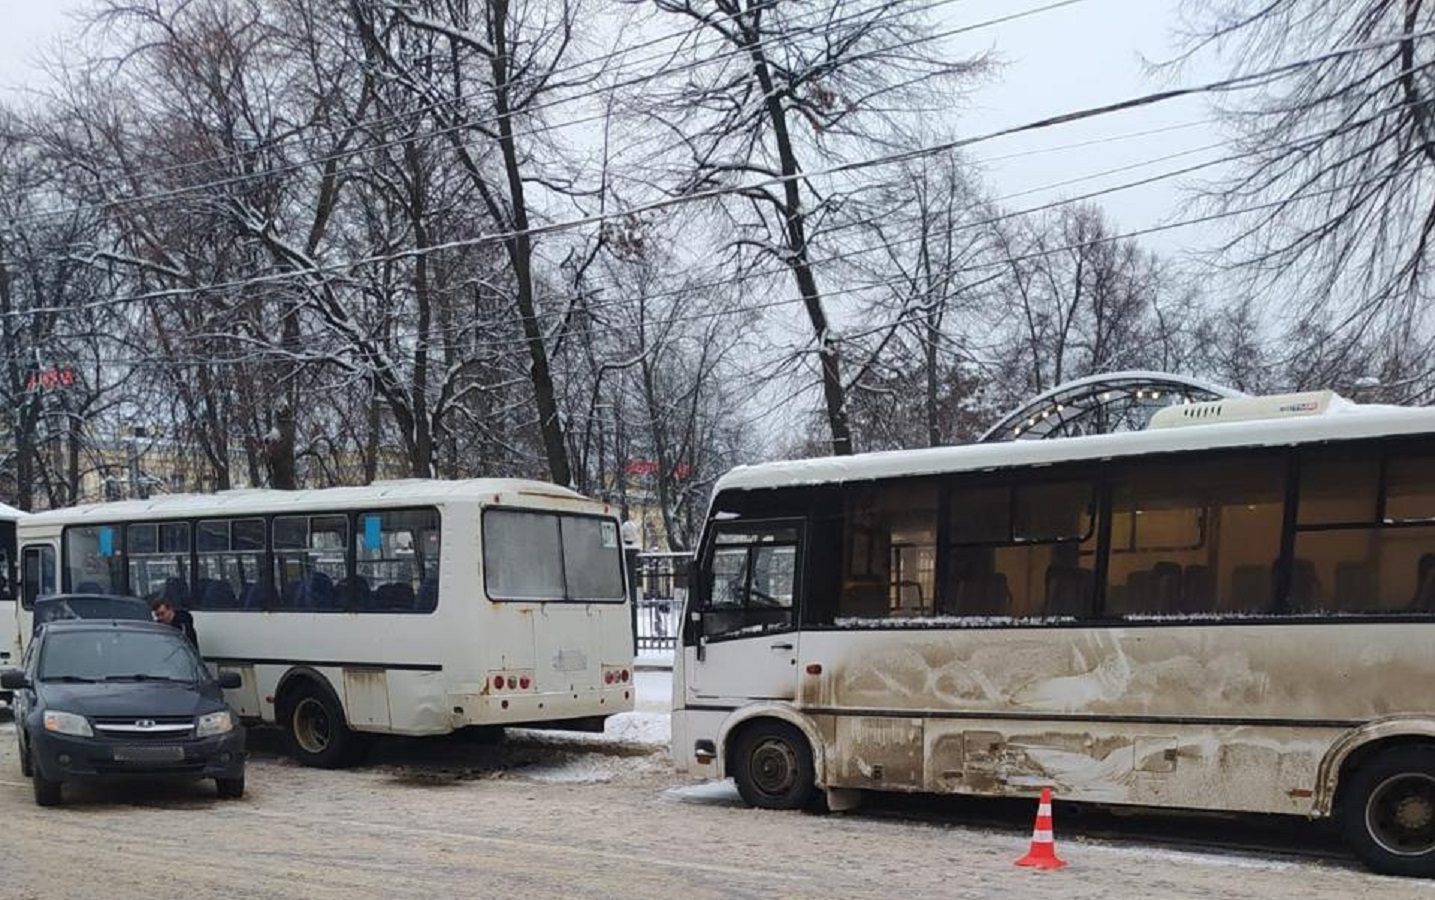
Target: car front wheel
(47, 792)
(229, 788)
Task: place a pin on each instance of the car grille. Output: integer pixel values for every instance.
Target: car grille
(138, 728)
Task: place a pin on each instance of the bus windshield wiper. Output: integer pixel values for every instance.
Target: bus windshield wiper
(70, 679)
(140, 676)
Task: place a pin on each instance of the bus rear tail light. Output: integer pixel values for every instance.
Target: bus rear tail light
(608, 677)
(624, 675)
(505, 681)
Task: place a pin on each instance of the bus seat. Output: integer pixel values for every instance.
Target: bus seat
(394, 595)
(864, 600)
(1198, 589)
(983, 595)
(318, 592)
(1250, 589)
(291, 595)
(1140, 592)
(1305, 589)
(355, 592)
(258, 596)
(1068, 590)
(175, 592)
(1118, 600)
(1166, 587)
(1424, 600)
(215, 594)
(427, 599)
(1355, 586)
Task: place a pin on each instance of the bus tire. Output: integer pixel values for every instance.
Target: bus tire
(26, 767)
(773, 768)
(317, 733)
(1388, 812)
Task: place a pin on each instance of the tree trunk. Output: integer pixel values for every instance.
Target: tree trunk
(795, 226)
(520, 253)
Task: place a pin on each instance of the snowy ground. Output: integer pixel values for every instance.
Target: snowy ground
(556, 814)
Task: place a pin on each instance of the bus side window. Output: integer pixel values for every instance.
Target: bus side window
(39, 577)
(752, 581)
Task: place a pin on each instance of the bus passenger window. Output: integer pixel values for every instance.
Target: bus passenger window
(890, 549)
(231, 565)
(39, 574)
(1197, 538)
(94, 560)
(1021, 551)
(1349, 561)
(397, 558)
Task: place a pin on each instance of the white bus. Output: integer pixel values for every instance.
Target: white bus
(408, 607)
(9, 585)
(1227, 615)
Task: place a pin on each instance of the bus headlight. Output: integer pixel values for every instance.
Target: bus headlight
(67, 723)
(214, 723)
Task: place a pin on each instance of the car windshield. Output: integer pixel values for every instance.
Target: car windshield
(116, 655)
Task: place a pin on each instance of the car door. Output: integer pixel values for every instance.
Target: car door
(741, 639)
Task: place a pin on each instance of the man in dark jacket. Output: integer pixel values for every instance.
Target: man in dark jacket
(166, 612)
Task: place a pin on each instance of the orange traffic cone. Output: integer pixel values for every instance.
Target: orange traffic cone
(1042, 854)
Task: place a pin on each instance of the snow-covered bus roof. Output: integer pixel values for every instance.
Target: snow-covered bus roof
(1344, 422)
(259, 501)
(10, 513)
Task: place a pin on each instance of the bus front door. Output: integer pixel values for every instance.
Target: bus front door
(740, 643)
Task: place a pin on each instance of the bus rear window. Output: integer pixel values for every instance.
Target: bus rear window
(547, 557)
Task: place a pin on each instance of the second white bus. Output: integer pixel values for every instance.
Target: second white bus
(1237, 616)
(411, 607)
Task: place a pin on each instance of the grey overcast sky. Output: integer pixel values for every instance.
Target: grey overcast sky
(1078, 56)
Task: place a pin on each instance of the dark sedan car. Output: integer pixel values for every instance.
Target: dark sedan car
(100, 700)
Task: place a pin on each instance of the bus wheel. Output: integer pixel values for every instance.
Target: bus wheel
(1389, 812)
(318, 734)
(773, 767)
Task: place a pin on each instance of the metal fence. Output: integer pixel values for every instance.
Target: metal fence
(660, 582)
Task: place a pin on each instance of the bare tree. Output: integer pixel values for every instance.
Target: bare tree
(930, 279)
(1336, 181)
(784, 87)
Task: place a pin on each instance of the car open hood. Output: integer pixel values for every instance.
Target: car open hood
(131, 698)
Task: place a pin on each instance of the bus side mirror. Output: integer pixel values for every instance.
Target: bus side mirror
(230, 680)
(13, 680)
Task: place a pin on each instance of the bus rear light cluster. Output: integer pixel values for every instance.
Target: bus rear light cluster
(511, 682)
(616, 676)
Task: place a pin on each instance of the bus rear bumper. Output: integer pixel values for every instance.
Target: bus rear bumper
(524, 708)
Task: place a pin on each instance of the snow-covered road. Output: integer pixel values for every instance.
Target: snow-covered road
(552, 814)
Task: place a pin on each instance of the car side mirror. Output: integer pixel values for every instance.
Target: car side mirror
(13, 680)
(230, 680)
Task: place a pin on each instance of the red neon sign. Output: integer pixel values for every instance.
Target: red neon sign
(50, 379)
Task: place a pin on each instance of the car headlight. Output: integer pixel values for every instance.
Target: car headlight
(214, 723)
(67, 723)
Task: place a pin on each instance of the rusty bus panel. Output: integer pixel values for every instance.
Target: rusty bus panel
(878, 752)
